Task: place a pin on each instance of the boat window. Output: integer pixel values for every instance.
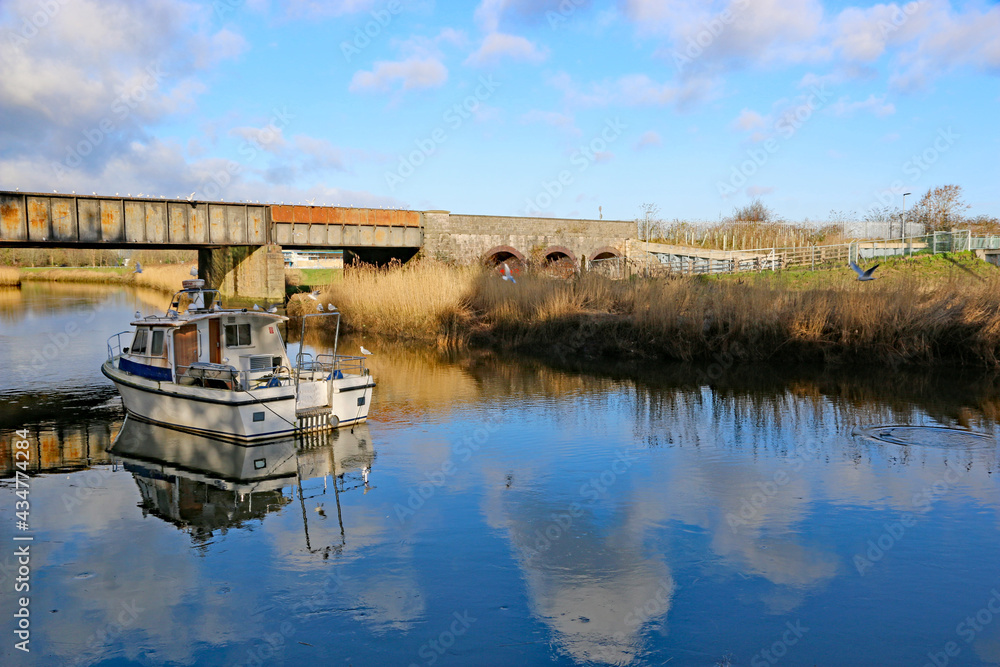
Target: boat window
(237, 335)
(156, 347)
(139, 344)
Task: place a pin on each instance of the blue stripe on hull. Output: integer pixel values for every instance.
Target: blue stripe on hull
(155, 373)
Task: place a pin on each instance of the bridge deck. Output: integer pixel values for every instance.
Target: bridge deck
(38, 219)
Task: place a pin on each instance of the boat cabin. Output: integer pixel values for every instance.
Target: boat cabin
(197, 343)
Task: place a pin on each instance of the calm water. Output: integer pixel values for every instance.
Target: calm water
(499, 513)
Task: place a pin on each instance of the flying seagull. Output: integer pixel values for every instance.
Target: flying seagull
(272, 309)
(364, 351)
(864, 275)
(191, 196)
(313, 295)
(507, 275)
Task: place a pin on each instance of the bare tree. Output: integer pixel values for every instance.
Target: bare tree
(940, 208)
(649, 222)
(755, 211)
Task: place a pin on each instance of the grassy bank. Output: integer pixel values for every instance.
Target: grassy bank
(941, 310)
(165, 278)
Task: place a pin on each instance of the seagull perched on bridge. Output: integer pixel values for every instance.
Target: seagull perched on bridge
(864, 275)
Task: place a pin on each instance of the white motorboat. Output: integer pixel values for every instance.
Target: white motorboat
(225, 372)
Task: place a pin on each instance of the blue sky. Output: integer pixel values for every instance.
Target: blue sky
(505, 107)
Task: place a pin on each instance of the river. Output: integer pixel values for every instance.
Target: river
(498, 512)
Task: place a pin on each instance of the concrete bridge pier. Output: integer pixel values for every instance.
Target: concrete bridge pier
(244, 272)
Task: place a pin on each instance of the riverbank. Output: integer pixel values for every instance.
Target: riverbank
(920, 311)
(164, 278)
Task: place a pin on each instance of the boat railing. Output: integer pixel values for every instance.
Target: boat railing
(276, 376)
(115, 344)
(346, 364)
(209, 376)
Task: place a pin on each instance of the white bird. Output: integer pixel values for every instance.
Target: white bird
(194, 271)
(330, 307)
(364, 351)
(319, 307)
(256, 307)
(191, 196)
(311, 201)
(216, 307)
(507, 275)
(864, 275)
(313, 295)
(272, 309)
(138, 315)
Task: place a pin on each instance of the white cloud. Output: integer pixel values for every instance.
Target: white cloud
(758, 190)
(649, 139)
(498, 46)
(875, 105)
(89, 80)
(490, 14)
(633, 90)
(553, 118)
(412, 74)
(749, 120)
(320, 8)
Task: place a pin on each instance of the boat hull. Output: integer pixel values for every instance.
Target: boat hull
(261, 414)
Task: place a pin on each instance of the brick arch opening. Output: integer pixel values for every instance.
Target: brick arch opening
(607, 261)
(559, 261)
(606, 252)
(497, 255)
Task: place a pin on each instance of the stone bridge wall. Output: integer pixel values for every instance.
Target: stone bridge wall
(472, 238)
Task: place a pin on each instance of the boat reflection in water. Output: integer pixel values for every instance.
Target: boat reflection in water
(202, 485)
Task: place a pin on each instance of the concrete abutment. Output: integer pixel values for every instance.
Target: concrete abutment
(244, 272)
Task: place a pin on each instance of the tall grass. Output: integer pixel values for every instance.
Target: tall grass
(416, 300)
(163, 278)
(905, 317)
(9, 277)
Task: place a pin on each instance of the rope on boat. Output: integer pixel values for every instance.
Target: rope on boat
(264, 405)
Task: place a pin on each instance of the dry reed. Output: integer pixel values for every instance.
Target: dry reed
(163, 278)
(904, 318)
(410, 301)
(9, 277)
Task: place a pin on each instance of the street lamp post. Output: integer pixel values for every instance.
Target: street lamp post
(647, 243)
(903, 222)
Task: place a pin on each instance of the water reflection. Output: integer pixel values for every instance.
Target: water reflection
(203, 485)
(659, 515)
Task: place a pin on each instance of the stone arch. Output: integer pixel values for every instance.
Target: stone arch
(557, 253)
(497, 255)
(559, 261)
(605, 252)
